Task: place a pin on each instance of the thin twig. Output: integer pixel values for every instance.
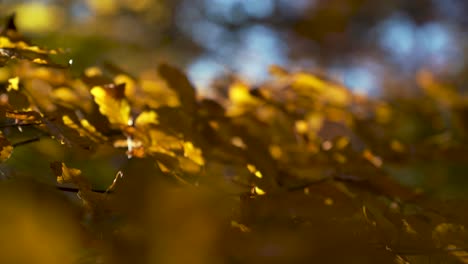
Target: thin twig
(21, 143)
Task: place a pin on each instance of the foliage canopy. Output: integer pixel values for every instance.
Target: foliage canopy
(296, 169)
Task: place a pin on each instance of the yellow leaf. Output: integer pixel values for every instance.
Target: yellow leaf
(240, 98)
(301, 80)
(91, 129)
(146, 118)
(324, 90)
(65, 174)
(13, 84)
(188, 165)
(239, 93)
(64, 94)
(193, 153)
(258, 191)
(113, 106)
(85, 130)
(39, 61)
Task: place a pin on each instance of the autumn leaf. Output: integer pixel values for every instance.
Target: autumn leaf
(65, 174)
(112, 103)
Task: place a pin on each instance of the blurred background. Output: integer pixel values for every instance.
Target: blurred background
(374, 47)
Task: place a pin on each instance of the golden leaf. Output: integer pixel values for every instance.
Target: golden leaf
(193, 153)
(112, 104)
(13, 84)
(84, 128)
(65, 174)
(326, 91)
(146, 118)
(258, 191)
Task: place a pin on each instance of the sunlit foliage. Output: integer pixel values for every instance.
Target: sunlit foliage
(297, 169)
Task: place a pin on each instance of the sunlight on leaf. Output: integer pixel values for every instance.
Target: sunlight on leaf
(256, 190)
(112, 104)
(313, 86)
(65, 174)
(84, 128)
(193, 153)
(5, 42)
(13, 84)
(146, 118)
(241, 99)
